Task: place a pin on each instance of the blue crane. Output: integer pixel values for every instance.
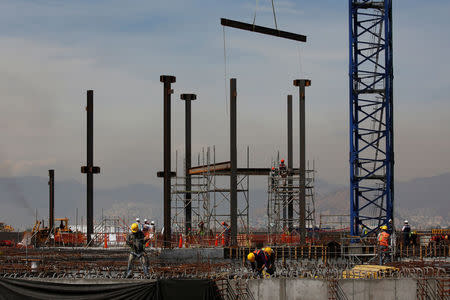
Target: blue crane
(371, 115)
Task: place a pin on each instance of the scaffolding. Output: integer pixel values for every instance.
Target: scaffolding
(111, 231)
(284, 190)
(210, 197)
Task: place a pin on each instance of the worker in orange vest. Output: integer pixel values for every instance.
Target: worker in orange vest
(258, 261)
(383, 242)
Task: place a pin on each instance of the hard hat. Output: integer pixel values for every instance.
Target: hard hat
(138, 220)
(145, 221)
(406, 221)
(251, 257)
(282, 160)
(273, 168)
(152, 223)
(384, 227)
(134, 227)
(268, 250)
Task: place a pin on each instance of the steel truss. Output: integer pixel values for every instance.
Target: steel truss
(210, 198)
(371, 118)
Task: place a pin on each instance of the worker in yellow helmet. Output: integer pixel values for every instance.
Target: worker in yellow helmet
(257, 261)
(383, 242)
(270, 259)
(136, 240)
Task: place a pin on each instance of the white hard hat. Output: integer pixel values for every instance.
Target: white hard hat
(145, 220)
(152, 222)
(137, 220)
(406, 221)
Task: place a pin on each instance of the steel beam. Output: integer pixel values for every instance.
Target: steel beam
(188, 196)
(233, 161)
(263, 30)
(167, 80)
(302, 83)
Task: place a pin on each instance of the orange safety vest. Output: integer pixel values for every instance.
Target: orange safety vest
(383, 239)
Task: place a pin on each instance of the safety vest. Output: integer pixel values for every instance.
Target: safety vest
(383, 239)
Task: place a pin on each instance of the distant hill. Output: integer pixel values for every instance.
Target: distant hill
(20, 196)
(425, 202)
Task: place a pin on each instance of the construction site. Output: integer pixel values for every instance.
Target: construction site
(201, 250)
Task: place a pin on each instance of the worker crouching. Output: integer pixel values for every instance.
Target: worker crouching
(257, 261)
(270, 260)
(136, 241)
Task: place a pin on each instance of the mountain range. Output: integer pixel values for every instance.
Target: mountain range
(423, 201)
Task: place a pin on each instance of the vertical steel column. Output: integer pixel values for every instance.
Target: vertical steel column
(90, 163)
(187, 179)
(290, 162)
(90, 169)
(167, 80)
(233, 159)
(51, 198)
(302, 83)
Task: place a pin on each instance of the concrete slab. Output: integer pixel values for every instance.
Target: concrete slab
(299, 289)
(191, 254)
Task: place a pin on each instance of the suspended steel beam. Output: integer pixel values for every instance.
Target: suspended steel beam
(263, 30)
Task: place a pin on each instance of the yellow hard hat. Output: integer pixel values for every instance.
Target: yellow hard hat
(384, 227)
(268, 250)
(134, 227)
(251, 257)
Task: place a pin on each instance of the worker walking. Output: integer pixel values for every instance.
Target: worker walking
(226, 233)
(257, 261)
(136, 241)
(406, 230)
(383, 242)
(270, 260)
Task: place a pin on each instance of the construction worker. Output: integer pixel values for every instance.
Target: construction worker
(257, 261)
(282, 169)
(406, 230)
(226, 233)
(270, 260)
(136, 241)
(138, 221)
(383, 242)
(146, 226)
(152, 234)
(273, 174)
(201, 229)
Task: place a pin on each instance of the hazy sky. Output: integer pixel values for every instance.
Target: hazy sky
(51, 52)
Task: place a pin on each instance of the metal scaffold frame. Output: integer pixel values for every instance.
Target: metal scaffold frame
(283, 191)
(371, 117)
(210, 197)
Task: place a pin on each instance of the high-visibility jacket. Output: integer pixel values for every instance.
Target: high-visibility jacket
(383, 239)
